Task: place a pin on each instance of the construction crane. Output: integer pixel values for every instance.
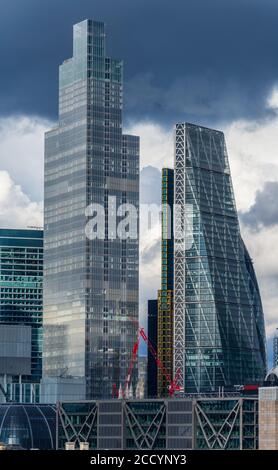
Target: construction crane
(121, 393)
(173, 385)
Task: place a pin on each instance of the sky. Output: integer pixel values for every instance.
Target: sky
(213, 63)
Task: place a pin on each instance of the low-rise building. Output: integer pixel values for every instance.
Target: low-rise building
(229, 423)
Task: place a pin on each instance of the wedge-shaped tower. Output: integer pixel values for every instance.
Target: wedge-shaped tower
(219, 335)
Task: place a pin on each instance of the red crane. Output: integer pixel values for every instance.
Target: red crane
(173, 385)
(131, 365)
(115, 392)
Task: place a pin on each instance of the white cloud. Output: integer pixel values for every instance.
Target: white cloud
(263, 248)
(253, 156)
(16, 209)
(157, 144)
(157, 150)
(272, 101)
(21, 152)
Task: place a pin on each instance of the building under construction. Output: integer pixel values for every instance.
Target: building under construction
(165, 294)
(161, 324)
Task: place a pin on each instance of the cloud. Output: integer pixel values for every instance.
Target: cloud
(21, 152)
(195, 97)
(150, 185)
(195, 60)
(150, 189)
(263, 248)
(264, 212)
(253, 156)
(16, 209)
(21, 171)
(156, 143)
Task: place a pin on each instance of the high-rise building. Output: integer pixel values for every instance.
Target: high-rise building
(268, 418)
(275, 349)
(21, 311)
(91, 285)
(165, 294)
(219, 335)
(141, 389)
(152, 335)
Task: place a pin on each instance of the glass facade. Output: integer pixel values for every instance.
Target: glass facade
(91, 286)
(28, 426)
(21, 290)
(145, 425)
(275, 349)
(227, 424)
(165, 295)
(219, 331)
(126, 424)
(152, 335)
(78, 414)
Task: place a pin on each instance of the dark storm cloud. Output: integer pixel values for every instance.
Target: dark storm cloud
(264, 212)
(184, 59)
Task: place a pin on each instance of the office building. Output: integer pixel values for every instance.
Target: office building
(15, 362)
(91, 282)
(268, 417)
(275, 349)
(208, 423)
(21, 312)
(165, 294)
(152, 335)
(219, 334)
(228, 423)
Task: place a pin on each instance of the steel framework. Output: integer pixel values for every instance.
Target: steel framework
(179, 256)
(144, 439)
(72, 434)
(214, 435)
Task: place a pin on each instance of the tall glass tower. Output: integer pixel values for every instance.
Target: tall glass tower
(91, 286)
(275, 349)
(165, 294)
(219, 334)
(21, 288)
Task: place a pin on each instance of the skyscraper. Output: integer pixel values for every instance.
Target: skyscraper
(152, 334)
(91, 285)
(219, 335)
(21, 298)
(275, 349)
(165, 294)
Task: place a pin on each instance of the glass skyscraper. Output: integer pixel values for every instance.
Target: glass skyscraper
(275, 349)
(21, 288)
(165, 294)
(152, 335)
(91, 286)
(219, 334)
